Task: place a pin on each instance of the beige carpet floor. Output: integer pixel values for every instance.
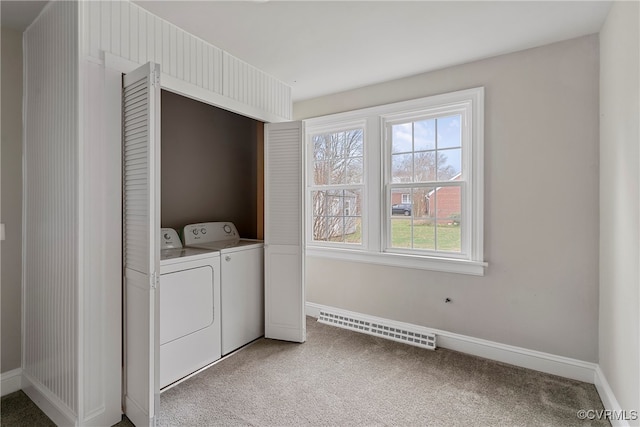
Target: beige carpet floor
(343, 378)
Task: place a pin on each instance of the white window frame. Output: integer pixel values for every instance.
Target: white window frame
(404, 202)
(464, 110)
(376, 205)
(335, 127)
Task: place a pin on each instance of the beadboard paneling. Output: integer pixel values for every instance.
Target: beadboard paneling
(130, 32)
(101, 247)
(247, 84)
(126, 30)
(50, 294)
(91, 170)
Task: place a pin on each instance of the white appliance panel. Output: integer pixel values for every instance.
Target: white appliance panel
(209, 232)
(226, 246)
(186, 302)
(242, 280)
(242, 298)
(169, 239)
(178, 255)
(189, 315)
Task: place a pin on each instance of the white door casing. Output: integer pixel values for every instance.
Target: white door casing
(284, 233)
(141, 250)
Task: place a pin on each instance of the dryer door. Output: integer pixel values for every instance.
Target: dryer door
(186, 302)
(189, 318)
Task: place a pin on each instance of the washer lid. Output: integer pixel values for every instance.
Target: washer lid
(181, 253)
(225, 246)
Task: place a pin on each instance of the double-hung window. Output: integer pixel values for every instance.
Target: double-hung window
(400, 184)
(336, 182)
(425, 177)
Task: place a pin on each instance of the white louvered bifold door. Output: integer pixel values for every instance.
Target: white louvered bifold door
(283, 233)
(141, 225)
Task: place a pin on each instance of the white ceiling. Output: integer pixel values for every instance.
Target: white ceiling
(323, 47)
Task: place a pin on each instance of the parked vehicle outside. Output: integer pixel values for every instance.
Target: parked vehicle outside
(401, 209)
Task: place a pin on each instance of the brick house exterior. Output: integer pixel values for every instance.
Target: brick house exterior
(443, 203)
(397, 198)
(447, 200)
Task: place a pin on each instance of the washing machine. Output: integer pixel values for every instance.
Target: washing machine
(241, 283)
(189, 308)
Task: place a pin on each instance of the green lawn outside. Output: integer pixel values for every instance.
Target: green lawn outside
(424, 233)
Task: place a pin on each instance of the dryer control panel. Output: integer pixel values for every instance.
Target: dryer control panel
(169, 239)
(209, 232)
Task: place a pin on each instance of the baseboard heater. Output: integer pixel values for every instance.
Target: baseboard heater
(379, 328)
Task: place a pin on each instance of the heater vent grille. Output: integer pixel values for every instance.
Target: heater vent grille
(380, 328)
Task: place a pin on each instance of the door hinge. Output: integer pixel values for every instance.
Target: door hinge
(154, 280)
(155, 78)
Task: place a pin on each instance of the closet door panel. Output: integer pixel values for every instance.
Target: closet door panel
(283, 236)
(141, 250)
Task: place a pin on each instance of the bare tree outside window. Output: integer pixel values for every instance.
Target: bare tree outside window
(337, 181)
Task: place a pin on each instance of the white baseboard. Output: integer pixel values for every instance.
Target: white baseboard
(609, 399)
(518, 356)
(50, 404)
(312, 309)
(11, 381)
(531, 359)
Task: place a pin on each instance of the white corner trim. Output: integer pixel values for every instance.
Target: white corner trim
(608, 398)
(518, 356)
(48, 403)
(11, 381)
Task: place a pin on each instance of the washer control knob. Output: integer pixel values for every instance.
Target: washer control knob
(203, 231)
(227, 258)
(227, 228)
(195, 231)
(166, 236)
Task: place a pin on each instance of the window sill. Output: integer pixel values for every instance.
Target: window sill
(446, 265)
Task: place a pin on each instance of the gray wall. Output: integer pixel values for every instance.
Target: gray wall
(11, 203)
(540, 290)
(209, 165)
(620, 203)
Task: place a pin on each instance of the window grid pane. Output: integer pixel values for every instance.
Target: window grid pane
(338, 157)
(337, 182)
(337, 216)
(432, 221)
(426, 217)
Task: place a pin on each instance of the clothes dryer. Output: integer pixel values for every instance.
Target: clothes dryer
(242, 280)
(189, 308)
